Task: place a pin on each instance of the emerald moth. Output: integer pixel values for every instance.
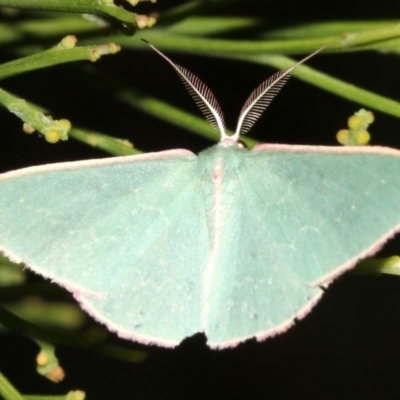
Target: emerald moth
(234, 243)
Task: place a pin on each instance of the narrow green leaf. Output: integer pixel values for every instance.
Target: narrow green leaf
(389, 265)
(100, 7)
(330, 84)
(64, 52)
(7, 390)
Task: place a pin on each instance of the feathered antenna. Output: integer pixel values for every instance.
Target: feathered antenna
(261, 97)
(200, 93)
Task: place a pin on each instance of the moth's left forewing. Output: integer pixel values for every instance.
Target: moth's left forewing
(127, 236)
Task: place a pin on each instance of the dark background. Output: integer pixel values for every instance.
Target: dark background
(349, 346)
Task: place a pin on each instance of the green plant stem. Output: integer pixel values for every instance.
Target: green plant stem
(16, 324)
(69, 396)
(34, 116)
(371, 33)
(112, 145)
(46, 29)
(63, 315)
(97, 7)
(64, 52)
(211, 46)
(202, 26)
(328, 28)
(330, 84)
(352, 39)
(374, 266)
(56, 55)
(8, 391)
(31, 114)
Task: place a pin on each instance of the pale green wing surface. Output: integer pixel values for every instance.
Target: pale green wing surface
(299, 217)
(128, 236)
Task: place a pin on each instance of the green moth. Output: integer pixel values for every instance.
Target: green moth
(234, 243)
